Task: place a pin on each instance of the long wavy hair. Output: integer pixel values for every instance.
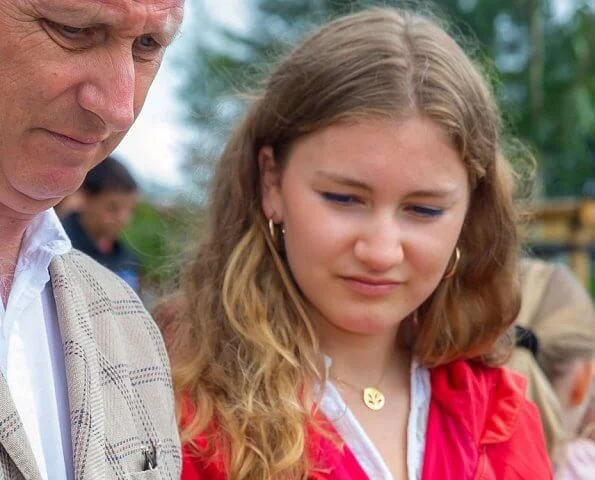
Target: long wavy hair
(245, 353)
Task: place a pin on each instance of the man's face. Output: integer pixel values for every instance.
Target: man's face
(74, 77)
(108, 213)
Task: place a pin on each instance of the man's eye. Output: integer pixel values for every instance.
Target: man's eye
(74, 37)
(147, 42)
(146, 48)
(72, 32)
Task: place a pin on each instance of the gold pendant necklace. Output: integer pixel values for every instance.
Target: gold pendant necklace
(372, 397)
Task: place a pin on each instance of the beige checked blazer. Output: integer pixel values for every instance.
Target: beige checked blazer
(118, 377)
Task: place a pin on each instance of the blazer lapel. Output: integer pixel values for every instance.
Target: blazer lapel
(12, 435)
(85, 393)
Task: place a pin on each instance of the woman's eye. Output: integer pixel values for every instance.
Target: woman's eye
(428, 212)
(339, 198)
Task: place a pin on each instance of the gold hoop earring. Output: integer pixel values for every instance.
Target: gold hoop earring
(450, 273)
(272, 228)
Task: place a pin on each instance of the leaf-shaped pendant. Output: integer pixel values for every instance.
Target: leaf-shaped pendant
(373, 398)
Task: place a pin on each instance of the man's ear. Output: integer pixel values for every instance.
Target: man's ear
(270, 185)
(581, 383)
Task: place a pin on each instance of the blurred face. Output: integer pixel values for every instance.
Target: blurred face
(107, 214)
(372, 212)
(74, 76)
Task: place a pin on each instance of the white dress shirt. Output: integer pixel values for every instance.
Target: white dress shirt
(31, 354)
(336, 410)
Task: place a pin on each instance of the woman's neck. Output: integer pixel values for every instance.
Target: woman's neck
(363, 359)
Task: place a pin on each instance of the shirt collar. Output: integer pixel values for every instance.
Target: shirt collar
(43, 240)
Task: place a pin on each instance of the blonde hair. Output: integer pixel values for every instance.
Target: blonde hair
(245, 353)
(559, 312)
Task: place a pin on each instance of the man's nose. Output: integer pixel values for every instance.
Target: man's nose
(110, 91)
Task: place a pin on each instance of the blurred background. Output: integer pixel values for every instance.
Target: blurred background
(539, 54)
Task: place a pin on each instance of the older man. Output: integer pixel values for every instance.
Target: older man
(85, 387)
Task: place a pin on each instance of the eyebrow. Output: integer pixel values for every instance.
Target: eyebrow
(343, 180)
(169, 27)
(354, 183)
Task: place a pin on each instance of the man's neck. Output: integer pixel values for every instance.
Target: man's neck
(11, 237)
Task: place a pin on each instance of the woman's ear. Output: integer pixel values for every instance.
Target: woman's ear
(270, 185)
(581, 383)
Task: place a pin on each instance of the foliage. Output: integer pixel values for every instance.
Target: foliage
(155, 235)
(543, 67)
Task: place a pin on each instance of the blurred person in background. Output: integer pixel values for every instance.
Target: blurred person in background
(342, 318)
(556, 352)
(109, 195)
(579, 463)
(588, 427)
(71, 203)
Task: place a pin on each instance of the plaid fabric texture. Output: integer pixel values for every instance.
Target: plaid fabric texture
(119, 383)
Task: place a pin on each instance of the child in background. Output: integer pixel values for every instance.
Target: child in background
(109, 196)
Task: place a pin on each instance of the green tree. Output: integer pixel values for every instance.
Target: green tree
(542, 62)
(157, 235)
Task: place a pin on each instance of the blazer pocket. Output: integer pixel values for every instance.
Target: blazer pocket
(154, 474)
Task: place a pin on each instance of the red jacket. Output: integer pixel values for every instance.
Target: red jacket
(480, 427)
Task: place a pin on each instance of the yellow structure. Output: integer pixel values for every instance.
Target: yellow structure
(565, 226)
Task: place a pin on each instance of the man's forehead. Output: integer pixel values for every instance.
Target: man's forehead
(152, 15)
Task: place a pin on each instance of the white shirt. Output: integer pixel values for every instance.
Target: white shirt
(352, 433)
(31, 354)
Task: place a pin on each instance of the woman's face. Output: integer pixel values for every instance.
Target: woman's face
(372, 212)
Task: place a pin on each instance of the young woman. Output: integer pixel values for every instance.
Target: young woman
(340, 318)
(556, 352)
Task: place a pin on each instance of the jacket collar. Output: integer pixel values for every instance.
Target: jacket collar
(81, 361)
(486, 401)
